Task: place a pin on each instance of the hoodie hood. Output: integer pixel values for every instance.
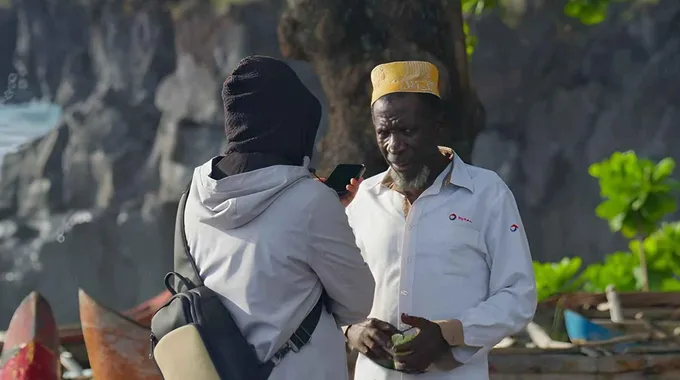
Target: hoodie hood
(236, 200)
(268, 110)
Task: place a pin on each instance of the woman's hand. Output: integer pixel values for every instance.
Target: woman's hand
(352, 189)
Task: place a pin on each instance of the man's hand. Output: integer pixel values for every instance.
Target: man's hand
(372, 338)
(423, 350)
(352, 189)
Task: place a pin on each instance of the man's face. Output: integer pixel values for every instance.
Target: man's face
(407, 135)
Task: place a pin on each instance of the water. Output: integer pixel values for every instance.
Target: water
(20, 123)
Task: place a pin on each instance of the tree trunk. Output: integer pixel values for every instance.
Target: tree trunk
(345, 39)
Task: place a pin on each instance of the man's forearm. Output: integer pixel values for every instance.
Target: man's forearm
(452, 331)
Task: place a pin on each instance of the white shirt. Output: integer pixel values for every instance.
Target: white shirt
(269, 241)
(460, 253)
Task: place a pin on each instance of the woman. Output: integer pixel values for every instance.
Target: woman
(266, 235)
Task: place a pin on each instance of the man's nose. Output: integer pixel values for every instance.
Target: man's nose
(395, 145)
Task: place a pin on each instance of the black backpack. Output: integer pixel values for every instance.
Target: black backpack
(193, 303)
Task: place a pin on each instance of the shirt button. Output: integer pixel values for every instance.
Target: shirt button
(408, 259)
(404, 293)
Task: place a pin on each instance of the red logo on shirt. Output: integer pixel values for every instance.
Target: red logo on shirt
(514, 227)
(453, 216)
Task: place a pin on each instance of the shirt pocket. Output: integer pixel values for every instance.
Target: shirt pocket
(453, 251)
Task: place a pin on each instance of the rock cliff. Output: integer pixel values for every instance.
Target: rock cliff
(91, 204)
(559, 96)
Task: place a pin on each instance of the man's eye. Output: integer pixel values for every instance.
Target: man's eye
(408, 131)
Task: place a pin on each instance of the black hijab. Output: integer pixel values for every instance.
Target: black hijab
(270, 117)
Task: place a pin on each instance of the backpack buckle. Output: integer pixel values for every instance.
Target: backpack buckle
(280, 354)
(299, 339)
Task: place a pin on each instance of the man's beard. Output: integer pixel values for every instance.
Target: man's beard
(418, 182)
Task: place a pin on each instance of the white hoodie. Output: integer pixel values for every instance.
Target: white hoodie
(269, 241)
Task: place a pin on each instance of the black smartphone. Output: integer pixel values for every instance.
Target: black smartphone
(342, 174)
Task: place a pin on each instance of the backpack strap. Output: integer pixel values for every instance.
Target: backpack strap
(300, 337)
(184, 263)
(186, 274)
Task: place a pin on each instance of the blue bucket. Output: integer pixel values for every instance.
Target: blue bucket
(581, 329)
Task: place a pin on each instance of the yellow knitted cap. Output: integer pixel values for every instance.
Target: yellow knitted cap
(405, 76)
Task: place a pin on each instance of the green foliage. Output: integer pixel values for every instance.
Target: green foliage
(470, 40)
(637, 196)
(637, 192)
(557, 278)
(662, 249)
(477, 7)
(621, 269)
(588, 12)
(617, 269)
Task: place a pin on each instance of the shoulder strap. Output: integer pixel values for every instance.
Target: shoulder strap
(184, 263)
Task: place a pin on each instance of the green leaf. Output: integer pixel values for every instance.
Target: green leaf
(616, 223)
(640, 201)
(629, 231)
(470, 40)
(557, 278)
(664, 169)
(593, 16)
(670, 285)
(610, 209)
(572, 9)
(617, 269)
(596, 169)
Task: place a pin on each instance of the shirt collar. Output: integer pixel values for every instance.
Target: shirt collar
(458, 174)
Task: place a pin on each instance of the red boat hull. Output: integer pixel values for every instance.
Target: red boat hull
(31, 362)
(118, 347)
(31, 344)
(71, 337)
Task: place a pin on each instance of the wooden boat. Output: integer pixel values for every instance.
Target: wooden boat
(143, 313)
(572, 363)
(117, 346)
(538, 364)
(31, 343)
(657, 305)
(630, 336)
(71, 336)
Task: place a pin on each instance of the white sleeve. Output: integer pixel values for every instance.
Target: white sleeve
(512, 287)
(337, 261)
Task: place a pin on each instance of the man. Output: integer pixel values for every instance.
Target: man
(270, 239)
(443, 239)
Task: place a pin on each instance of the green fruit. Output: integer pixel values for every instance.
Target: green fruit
(399, 339)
